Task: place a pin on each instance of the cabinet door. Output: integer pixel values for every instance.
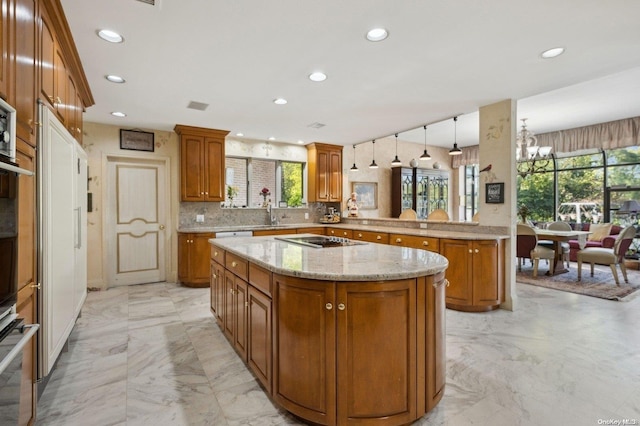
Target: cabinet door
(304, 379)
(335, 176)
(214, 169)
(228, 311)
(458, 252)
(322, 177)
(199, 259)
(184, 248)
(486, 273)
(60, 84)
(218, 292)
(26, 157)
(344, 233)
(435, 340)
(47, 55)
(192, 167)
(372, 237)
(259, 336)
(240, 302)
(70, 105)
(376, 335)
(25, 43)
(5, 56)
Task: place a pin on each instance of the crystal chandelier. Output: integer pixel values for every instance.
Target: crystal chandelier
(531, 158)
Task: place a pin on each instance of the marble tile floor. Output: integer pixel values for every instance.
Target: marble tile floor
(152, 355)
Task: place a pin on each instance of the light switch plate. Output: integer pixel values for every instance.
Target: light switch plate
(199, 218)
(306, 215)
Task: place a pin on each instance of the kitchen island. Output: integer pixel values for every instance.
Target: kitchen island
(351, 334)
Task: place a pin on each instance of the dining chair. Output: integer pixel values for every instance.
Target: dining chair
(408, 214)
(609, 256)
(438, 214)
(559, 226)
(527, 247)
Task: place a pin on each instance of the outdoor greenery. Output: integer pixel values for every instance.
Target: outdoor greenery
(292, 183)
(581, 179)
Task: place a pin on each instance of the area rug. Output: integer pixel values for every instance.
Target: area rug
(601, 285)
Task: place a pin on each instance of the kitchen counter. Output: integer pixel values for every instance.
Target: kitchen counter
(364, 262)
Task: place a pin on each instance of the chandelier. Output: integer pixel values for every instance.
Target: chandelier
(531, 158)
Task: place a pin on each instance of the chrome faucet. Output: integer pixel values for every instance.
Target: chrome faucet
(272, 218)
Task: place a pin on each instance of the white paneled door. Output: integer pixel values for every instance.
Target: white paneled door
(136, 221)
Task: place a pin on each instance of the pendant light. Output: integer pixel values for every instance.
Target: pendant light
(425, 155)
(354, 168)
(373, 164)
(455, 150)
(396, 161)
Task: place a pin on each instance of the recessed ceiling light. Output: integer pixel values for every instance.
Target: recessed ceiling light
(552, 53)
(118, 114)
(272, 138)
(280, 101)
(301, 142)
(240, 134)
(115, 78)
(110, 36)
(317, 76)
(377, 34)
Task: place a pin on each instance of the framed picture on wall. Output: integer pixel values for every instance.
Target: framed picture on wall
(367, 193)
(495, 193)
(136, 140)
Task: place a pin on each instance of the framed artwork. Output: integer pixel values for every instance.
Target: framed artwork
(367, 194)
(136, 140)
(495, 193)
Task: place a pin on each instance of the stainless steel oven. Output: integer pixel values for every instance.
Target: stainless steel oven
(7, 131)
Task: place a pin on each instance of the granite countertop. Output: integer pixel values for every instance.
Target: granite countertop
(458, 235)
(363, 262)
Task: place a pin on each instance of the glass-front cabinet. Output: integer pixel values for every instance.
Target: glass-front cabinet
(422, 190)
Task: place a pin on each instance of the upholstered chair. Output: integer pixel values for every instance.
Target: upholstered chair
(527, 248)
(559, 226)
(609, 256)
(438, 214)
(409, 214)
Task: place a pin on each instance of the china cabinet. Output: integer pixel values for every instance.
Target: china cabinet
(422, 190)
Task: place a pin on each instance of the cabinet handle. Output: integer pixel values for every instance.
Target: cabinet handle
(234, 264)
(206, 193)
(398, 240)
(52, 100)
(344, 233)
(446, 282)
(215, 277)
(379, 237)
(215, 254)
(477, 251)
(470, 251)
(359, 235)
(341, 306)
(37, 286)
(246, 304)
(425, 243)
(329, 306)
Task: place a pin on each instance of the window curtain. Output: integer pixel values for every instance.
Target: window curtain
(470, 155)
(611, 135)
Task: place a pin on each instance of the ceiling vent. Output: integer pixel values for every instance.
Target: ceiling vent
(316, 125)
(197, 105)
(151, 2)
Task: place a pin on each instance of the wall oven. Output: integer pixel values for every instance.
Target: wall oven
(7, 130)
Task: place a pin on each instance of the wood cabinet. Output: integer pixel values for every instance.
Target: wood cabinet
(320, 230)
(259, 332)
(263, 232)
(325, 172)
(372, 237)
(343, 333)
(338, 232)
(475, 275)
(193, 259)
(422, 190)
(434, 338)
(5, 57)
(216, 283)
(202, 163)
(25, 69)
(415, 241)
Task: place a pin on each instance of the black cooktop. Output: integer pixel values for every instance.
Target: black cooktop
(320, 241)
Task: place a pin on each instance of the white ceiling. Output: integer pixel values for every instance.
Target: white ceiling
(442, 59)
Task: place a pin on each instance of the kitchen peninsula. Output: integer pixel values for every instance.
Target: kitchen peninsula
(338, 335)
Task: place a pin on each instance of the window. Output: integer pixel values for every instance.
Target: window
(249, 176)
(470, 191)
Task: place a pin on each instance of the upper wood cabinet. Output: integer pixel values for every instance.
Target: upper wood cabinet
(25, 69)
(325, 172)
(201, 163)
(5, 57)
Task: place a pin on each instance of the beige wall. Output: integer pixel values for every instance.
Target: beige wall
(100, 140)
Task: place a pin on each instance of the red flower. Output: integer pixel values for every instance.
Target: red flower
(265, 191)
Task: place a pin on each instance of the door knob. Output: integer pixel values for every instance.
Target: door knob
(161, 227)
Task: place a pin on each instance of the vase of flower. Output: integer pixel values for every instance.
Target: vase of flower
(232, 191)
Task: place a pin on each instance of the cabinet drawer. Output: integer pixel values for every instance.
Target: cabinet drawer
(334, 232)
(236, 265)
(372, 237)
(217, 254)
(260, 278)
(414, 241)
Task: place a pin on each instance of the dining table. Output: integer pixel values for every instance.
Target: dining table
(558, 237)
